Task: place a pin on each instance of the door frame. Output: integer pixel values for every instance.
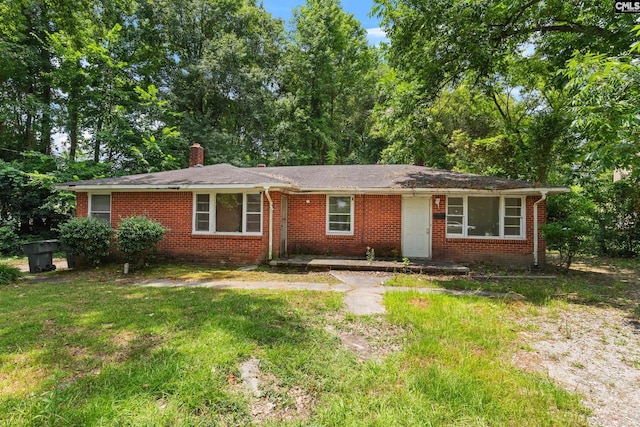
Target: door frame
(426, 199)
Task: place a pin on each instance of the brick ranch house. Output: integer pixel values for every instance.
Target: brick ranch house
(226, 214)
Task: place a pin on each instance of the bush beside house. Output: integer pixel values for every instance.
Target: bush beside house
(86, 237)
(92, 238)
(138, 236)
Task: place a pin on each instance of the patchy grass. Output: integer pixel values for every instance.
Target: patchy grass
(94, 352)
(193, 273)
(413, 281)
(455, 369)
(591, 281)
(261, 273)
(86, 353)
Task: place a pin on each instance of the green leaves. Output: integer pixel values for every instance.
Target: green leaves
(606, 98)
(87, 237)
(328, 88)
(138, 236)
(570, 231)
(30, 204)
(9, 274)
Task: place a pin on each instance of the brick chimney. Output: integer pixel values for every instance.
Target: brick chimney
(196, 156)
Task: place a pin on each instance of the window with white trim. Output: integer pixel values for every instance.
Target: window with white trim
(340, 215)
(100, 206)
(485, 216)
(227, 213)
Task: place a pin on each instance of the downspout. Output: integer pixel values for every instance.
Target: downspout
(266, 192)
(535, 227)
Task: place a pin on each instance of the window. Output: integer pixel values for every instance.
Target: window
(100, 206)
(484, 216)
(229, 213)
(492, 216)
(339, 215)
(513, 217)
(455, 215)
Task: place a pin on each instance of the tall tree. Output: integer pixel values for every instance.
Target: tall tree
(218, 73)
(327, 87)
(25, 88)
(606, 103)
(512, 53)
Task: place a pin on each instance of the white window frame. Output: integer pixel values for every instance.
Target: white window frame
(351, 216)
(91, 212)
(212, 214)
(502, 215)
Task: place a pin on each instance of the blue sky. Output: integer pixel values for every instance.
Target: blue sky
(359, 8)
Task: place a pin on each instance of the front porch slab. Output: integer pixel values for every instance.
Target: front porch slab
(414, 266)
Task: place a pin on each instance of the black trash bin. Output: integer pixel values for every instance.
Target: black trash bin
(40, 255)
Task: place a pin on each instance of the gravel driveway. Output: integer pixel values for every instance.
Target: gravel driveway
(588, 350)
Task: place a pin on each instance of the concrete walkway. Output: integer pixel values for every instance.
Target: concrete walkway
(363, 291)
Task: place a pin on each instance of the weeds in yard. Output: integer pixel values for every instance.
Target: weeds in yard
(612, 283)
(9, 274)
(96, 352)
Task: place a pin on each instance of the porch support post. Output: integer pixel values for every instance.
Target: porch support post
(266, 192)
(535, 228)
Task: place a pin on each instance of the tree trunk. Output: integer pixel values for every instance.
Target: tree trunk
(29, 141)
(45, 137)
(73, 122)
(96, 141)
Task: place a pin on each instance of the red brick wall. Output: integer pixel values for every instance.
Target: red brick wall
(495, 251)
(82, 204)
(175, 211)
(376, 224)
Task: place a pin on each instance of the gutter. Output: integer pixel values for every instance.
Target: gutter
(161, 187)
(535, 227)
(266, 192)
(425, 191)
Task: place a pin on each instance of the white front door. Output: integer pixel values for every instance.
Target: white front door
(416, 227)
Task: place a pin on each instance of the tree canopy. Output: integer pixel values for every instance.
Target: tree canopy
(545, 91)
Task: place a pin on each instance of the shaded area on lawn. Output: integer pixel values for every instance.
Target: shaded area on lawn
(95, 352)
(591, 281)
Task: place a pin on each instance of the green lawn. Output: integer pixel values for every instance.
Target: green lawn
(96, 352)
(591, 281)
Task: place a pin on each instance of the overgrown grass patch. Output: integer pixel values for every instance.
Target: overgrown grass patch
(9, 274)
(591, 281)
(412, 281)
(455, 370)
(86, 353)
(93, 352)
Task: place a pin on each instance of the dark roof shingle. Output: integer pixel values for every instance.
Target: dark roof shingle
(310, 178)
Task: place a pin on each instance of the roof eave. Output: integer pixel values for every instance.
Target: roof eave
(168, 187)
(317, 190)
(397, 190)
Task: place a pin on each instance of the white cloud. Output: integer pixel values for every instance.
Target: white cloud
(375, 36)
(376, 33)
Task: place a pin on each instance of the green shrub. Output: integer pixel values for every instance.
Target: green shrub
(617, 228)
(569, 238)
(570, 225)
(9, 239)
(9, 274)
(138, 236)
(86, 237)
